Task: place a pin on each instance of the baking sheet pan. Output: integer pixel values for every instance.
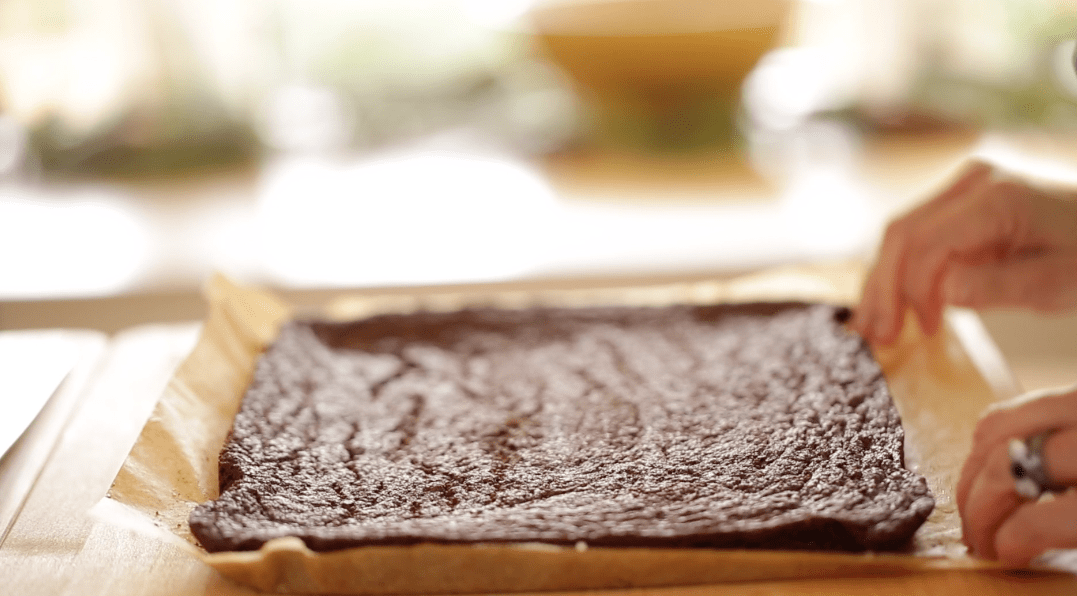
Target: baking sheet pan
(940, 385)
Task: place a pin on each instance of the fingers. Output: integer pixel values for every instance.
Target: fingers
(991, 500)
(961, 247)
(1025, 419)
(992, 503)
(1047, 283)
(1058, 457)
(993, 222)
(1037, 527)
(878, 317)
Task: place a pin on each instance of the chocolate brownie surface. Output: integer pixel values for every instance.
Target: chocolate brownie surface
(759, 425)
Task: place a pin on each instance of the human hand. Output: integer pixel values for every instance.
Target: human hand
(986, 241)
(999, 524)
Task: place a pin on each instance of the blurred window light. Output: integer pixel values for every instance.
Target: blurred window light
(12, 144)
(981, 40)
(1065, 66)
(409, 45)
(306, 118)
(828, 215)
(1028, 161)
(787, 87)
(962, 62)
(497, 14)
(83, 246)
(427, 217)
(135, 78)
(535, 108)
(79, 70)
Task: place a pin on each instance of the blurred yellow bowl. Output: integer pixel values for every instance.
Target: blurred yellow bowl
(659, 74)
(625, 44)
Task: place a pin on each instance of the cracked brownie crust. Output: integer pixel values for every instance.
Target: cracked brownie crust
(759, 425)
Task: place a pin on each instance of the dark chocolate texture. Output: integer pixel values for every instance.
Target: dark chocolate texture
(739, 426)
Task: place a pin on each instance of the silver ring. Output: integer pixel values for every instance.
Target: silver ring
(1027, 467)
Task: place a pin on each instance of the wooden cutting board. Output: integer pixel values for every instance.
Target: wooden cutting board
(57, 547)
(42, 373)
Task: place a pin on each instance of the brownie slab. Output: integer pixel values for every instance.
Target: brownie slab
(729, 426)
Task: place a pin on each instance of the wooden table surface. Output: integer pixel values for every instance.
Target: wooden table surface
(56, 546)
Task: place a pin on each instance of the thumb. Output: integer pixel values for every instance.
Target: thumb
(1047, 283)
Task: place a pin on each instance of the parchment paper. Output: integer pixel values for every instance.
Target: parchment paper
(940, 385)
